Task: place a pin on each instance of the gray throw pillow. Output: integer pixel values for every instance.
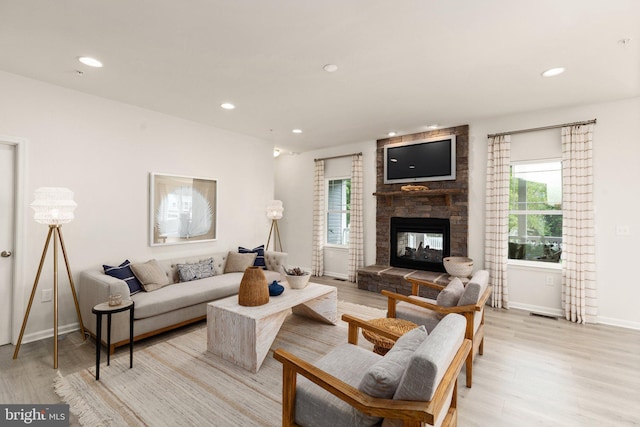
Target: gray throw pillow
(199, 270)
(238, 263)
(150, 275)
(383, 377)
(450, 295)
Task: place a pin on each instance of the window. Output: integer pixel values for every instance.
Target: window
(535, 211)
(338, 211)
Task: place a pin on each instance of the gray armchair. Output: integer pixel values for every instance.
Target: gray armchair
(415, 384)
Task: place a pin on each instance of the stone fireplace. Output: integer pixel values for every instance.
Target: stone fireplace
(444, 200)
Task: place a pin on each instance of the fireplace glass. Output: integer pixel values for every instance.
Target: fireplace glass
(419, 243)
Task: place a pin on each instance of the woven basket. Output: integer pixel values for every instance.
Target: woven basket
(382, 345)
(458, 266)
(254, 289)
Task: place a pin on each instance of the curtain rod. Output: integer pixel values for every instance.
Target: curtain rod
(586, 122)
(337, 157)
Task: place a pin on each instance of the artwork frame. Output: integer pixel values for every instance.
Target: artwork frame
(182, 209)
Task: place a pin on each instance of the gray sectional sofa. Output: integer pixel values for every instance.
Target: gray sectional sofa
(173, 305)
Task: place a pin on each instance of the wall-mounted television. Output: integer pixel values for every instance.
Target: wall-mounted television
(432, 159)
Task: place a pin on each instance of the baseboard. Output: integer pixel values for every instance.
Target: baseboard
(48, 333)
(336, 275)
(619, 323)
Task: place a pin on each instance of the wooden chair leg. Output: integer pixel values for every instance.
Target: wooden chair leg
(481, 347)
(469, 368)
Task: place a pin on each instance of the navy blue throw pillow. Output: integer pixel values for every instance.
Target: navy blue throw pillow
(259, 262)
(124, 272)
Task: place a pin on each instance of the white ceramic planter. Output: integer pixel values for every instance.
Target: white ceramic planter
(298, 282)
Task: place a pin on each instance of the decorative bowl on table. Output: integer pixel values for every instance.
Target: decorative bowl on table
(297, 278)
(458, 266)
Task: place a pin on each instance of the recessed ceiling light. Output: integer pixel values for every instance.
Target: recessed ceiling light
(553, 72)
(297, 131)
(91, 62)
(433, 126)
(330, 68)
(227, 106)
(392, 133)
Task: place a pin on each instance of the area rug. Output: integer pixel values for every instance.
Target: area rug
(178, 383)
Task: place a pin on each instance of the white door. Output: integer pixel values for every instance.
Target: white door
(7, 185)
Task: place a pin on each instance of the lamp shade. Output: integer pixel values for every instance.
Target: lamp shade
(53, 205)
(275, 209)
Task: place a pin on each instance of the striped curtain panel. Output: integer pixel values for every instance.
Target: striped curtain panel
(356, 225)
(317, 262)
(579, 299)
(497, 218)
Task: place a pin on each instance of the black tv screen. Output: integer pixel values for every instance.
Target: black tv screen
(424, 160)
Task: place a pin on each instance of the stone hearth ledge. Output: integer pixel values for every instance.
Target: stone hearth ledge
(375, 278)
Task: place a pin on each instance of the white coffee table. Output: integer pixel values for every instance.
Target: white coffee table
(243, 335)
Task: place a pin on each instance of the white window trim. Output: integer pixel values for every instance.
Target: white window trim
(326, 209)
(531, 264)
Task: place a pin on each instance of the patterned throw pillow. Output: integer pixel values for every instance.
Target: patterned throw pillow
(198, 270)
(259, 251)
(123, 272)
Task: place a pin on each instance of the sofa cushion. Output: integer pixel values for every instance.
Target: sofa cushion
(259, 251)
(199, 270)
(382, 378)
(450, 295)
(238, 263)
(344, 362)
(150, 274)
(124, 272)
(180, 295)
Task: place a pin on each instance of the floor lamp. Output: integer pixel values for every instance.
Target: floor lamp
(54, 207)
(274, 213)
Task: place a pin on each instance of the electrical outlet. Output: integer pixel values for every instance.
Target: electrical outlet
(623, 230)
(47, 295)
(548, 280)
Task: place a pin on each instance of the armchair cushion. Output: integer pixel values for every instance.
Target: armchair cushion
(344, 362)
(418, 315)
(450, 295)
(383, 377)
(475, 288)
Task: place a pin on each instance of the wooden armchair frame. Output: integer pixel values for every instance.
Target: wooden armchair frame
(468, 311)
(413, 413)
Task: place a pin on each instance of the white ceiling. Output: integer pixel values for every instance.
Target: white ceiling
(403, 64)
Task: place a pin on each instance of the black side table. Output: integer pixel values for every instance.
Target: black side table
(105, 308)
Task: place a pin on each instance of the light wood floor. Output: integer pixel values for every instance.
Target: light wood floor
(535, 371)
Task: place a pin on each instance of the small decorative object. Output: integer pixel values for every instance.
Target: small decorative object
(275, 289)
(297, 277)
(115, 299)
(414, 188)
(458, 266)
(254, 289)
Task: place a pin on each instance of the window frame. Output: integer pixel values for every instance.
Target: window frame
(327, 182)
(530, 262)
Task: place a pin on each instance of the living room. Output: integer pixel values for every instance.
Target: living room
(104, 150)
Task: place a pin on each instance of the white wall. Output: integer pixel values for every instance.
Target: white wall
(616, 154)
(294, 186)
(104, 152)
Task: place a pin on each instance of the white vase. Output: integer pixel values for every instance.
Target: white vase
(298, 282)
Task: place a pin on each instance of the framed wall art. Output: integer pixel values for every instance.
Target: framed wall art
(182, 209)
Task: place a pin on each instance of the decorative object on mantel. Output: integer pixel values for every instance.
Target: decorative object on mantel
(414, 188)
(458, 266)
(297, 278)
(275, 289)
(254, 289)
(53, 206)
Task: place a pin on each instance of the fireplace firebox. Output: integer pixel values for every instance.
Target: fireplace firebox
(419, 243)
